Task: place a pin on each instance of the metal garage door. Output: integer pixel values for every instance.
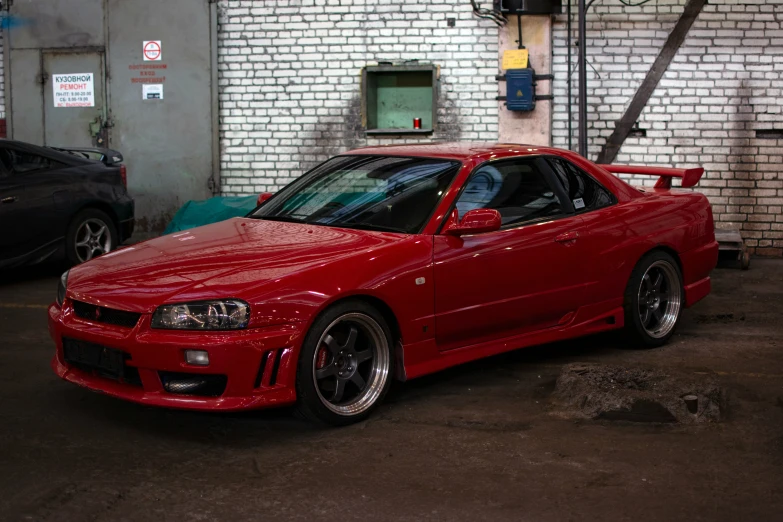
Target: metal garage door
(66, 122)
(160, 111)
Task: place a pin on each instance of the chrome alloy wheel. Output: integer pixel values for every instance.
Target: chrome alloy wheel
(351, 364)
(93, 238)
(660, 299)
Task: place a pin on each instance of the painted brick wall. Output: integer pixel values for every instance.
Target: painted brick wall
(290, 78)
(724, 84)
(289, 75)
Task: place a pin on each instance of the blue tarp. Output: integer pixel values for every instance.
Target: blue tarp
(196, 213)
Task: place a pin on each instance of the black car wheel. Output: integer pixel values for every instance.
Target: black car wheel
(345, 365)
(654, 299)
(91, 233)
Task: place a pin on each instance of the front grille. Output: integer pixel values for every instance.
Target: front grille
(101, 314)
(100, 360)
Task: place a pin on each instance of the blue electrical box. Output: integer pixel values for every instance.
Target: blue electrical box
(520, 89)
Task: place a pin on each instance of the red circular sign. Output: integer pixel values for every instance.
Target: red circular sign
(151, 50)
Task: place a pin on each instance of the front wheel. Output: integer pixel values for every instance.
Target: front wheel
(654, 300)
(345, 365)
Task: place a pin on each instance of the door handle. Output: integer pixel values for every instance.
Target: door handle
(567, 237)
(9, 199)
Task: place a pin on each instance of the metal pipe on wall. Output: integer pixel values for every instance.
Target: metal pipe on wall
(214, 180)
(582, 78)
(568, 77)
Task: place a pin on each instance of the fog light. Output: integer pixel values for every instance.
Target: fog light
(197, 357)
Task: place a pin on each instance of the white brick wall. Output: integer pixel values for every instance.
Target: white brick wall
(290, 79)
(725, 82)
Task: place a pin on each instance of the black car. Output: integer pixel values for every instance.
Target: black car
(70, 203)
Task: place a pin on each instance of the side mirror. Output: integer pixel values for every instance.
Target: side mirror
(476, 221)
(263, 197)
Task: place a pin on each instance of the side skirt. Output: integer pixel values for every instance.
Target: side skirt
(424, 358)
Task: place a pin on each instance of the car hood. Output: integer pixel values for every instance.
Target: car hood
(143, 276)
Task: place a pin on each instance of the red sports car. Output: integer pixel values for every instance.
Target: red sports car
(385, 263)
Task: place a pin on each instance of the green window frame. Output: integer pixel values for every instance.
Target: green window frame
(393, 95)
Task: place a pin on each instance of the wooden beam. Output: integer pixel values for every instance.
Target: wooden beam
(648, 86)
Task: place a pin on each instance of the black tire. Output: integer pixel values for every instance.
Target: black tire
(312, 404)
(89, 217)
(644, 334)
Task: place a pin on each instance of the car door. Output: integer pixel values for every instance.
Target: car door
(527, 276)
(604, 234)
(36, 216)
(11, 235)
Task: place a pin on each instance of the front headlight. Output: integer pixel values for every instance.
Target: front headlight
(61, 287)
(226, 314)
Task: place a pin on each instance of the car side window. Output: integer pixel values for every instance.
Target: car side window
(18, 162)
(583, 191)
(516, 189)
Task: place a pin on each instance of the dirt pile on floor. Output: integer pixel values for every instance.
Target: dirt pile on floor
(638, 394)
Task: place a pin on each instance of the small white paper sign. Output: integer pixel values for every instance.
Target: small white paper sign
(152, 91)
(579, 203)
(73, 90)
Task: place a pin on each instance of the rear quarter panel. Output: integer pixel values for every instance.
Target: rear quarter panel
(95, 185)
(56, 195)
(680, 221)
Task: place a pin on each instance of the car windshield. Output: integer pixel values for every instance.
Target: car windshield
(384, 193)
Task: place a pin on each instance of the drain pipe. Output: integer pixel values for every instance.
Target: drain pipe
(568, 77)
(582, 79)
(214, 180)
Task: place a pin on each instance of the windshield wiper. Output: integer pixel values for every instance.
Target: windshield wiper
(368, 226)
(348, 224)
(286, 219)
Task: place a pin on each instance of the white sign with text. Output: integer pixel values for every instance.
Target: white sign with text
(73, 90)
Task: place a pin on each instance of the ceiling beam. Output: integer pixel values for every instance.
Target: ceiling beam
(673, 43)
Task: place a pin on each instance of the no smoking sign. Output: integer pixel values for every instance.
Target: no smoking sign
(152, 50)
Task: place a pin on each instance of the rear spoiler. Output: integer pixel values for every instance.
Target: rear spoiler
(690, 177)
(108, 157)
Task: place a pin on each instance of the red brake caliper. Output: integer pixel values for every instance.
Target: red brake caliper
(323, 355)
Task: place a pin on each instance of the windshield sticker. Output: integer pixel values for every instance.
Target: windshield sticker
(579, 203)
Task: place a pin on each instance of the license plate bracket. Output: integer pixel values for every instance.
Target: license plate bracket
(106, 361)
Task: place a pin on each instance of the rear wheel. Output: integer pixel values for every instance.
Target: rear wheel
(345, 365)
(654, 300)
(91, 233)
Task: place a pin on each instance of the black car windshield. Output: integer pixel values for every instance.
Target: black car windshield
(385, 193)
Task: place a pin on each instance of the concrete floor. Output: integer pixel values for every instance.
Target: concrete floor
(478, 442)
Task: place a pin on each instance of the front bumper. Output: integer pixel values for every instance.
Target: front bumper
(238, 355)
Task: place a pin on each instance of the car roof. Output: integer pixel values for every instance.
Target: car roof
(479, 152)
(457, 150)
(20, 144)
